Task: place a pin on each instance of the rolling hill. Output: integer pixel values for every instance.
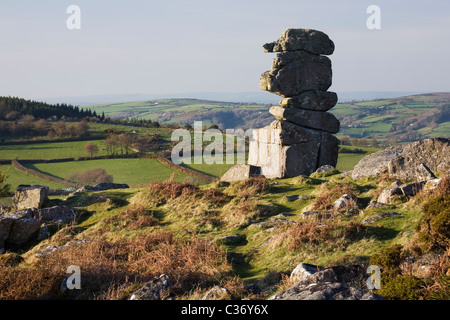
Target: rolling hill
(408, 118)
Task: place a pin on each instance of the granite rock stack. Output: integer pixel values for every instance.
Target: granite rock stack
(301, 138)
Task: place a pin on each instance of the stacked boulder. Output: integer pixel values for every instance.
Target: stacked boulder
(301, 139)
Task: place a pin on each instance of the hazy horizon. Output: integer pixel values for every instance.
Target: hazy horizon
(171, 47)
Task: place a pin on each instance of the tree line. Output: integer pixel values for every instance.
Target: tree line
(14, 108)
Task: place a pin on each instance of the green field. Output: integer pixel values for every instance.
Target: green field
(134, 172)
(53, 150)
(16, 177)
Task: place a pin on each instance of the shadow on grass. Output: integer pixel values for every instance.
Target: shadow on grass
(380, 233)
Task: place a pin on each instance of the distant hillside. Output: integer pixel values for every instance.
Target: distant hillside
(409, 118)
(12, 108)
(186, 111)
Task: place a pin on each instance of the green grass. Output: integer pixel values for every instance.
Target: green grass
(347, 161)
(134, 172)
(16, 178)
(53, 150)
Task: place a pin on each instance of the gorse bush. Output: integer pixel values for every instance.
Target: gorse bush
(433, 231)
(4, 187)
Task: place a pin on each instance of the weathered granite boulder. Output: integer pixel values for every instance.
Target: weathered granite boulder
(303, 270)
(293, 73)
(324, 168)
(284, 149)
(324, 121)
(309, 40)
(345, 201)
(30, 196)
(20, 227)
(240, 172)
(407, 162)
(335, 283)
(423, 173)
(217, 293)
(153, 289)
(407, 190)
(312, 100)
(57, 214)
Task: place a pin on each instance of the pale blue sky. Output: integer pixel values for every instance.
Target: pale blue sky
(176, 46)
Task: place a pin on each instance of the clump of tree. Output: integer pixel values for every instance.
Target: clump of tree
(91, 149)
(90, 177)
(62, 129)
(123, 143)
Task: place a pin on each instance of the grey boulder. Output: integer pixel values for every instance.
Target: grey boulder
(312, 100)
(324, 121)
(30, 196)
(293, 73)
(310, 40)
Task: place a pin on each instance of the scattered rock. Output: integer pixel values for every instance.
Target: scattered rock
(431, 184)
(318, 214)
(101, 187)
(388, 194)
(325, 168)
(335, 283)
(345, 201)
(411, 162)
(50, 249)
(376, 205)
(153, 289)
(379, 217)
(303, 270)
(217, 293)
(296, 197)
(241, 172)
(232, 239)
(30, 196)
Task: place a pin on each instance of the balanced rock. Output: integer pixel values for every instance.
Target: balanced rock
(300, 140)
(312, 100)
(310, 119)
(293, 73)
(302, 39)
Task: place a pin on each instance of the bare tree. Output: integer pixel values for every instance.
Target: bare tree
(91, 149)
